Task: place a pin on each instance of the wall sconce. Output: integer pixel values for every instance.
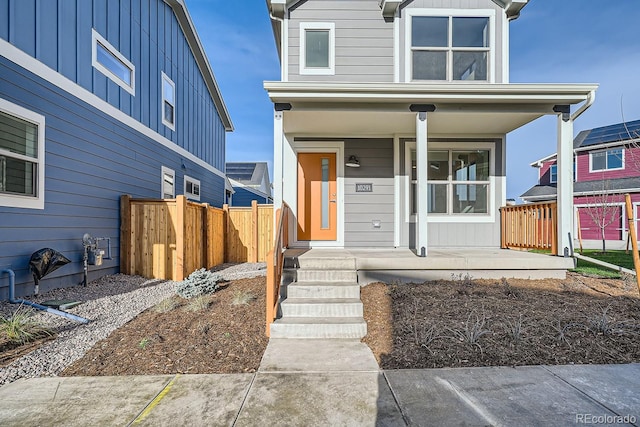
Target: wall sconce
(353, 162)
(183, 166)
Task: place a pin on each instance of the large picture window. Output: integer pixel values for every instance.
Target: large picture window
(449, 48)
(21, 157)
(458, 181)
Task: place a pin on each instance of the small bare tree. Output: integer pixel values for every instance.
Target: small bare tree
(604, 210)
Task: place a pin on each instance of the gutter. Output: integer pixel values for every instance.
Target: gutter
(591, 97)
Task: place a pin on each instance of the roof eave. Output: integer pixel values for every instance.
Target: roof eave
(186, 23)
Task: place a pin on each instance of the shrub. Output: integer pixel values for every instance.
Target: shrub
(242, 298)
(200, 282)
(199, 303)
(165, 306)
(20, 327)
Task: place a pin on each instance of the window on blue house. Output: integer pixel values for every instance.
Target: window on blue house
(610, 159)
(21, 157)
(168, 106)
(111, 63)
(191, 188)
(168, 184)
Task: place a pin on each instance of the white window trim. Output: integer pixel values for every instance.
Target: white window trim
(97, 38)
(604, 151)
(457, 217)
(14, 200)
(165, 78)
(166, 171)
(193, 181)
(455, 13)
(551, 180)
(328, 26)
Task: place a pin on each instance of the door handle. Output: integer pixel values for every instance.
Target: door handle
(333, 201)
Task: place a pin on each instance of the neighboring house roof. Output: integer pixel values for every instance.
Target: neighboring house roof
(584, 188)
(611, 135)
(250, 174)
(253, 190)
(180, 9)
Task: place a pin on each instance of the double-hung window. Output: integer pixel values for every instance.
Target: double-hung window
(610, 159)
(111, 63)
(449, 47)
(317, 48)
(191, 188)
(458, 181)
(168, 106)
(21, 157)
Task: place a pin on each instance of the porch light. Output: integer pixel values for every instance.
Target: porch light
(353, 162)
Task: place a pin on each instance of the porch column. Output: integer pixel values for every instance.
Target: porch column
(278, 135)
(422, 187)
(565, 178)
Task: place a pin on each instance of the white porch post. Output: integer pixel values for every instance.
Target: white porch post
(278, 136)
(565, 180)
(422, 187)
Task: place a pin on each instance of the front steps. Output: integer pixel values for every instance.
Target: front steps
(321, 300)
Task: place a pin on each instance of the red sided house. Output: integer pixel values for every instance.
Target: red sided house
(606, 166)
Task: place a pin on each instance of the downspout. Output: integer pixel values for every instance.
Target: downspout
(13, 300)
(590, 100)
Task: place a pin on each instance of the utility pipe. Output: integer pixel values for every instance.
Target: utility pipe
(13, 300)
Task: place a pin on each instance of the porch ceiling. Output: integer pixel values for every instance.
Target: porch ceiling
(375, 108)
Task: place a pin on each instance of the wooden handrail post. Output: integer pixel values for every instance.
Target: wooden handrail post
(125, 234)
(254, 231)
(634, 237)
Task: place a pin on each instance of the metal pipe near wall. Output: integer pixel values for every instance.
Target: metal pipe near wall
(13, 300)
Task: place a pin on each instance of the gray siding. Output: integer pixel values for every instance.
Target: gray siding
(457, 4)
(91, 159)
(364, 41)
(361, 209)
(58, 33)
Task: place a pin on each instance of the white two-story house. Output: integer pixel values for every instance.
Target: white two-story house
(391, 119)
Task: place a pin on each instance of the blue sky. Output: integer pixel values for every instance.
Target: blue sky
(553, 41)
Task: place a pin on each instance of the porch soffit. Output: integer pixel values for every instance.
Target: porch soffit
(384, 108)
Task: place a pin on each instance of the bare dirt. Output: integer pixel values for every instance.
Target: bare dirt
(465, 322)
(221, 338)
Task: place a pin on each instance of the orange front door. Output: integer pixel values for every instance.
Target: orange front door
(317, 196)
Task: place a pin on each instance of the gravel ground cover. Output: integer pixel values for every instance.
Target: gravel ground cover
(109, 303)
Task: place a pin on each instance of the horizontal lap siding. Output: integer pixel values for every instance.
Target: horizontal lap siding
(90, 160)
(361, 209)
(364, 41)
(631, 166)
(243, 197)
(147, 33)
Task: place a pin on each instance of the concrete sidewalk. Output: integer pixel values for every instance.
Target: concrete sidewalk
(334, 382)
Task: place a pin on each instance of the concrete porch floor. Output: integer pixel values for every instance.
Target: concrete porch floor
(398, 264)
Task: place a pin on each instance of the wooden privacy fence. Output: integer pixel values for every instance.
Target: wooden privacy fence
(170, 238)
(531, 226)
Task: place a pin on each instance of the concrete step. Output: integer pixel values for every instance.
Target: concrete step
(322, 307)
(320, 263)
(329, 275)
(319, 327)
(321, 290)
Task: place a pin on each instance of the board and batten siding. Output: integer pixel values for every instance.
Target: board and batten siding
(361, 209)
(459, 234)
(500, 54)
(147, 33)
(90, 160)
(363, 40)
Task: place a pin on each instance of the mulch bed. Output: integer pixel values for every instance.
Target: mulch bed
(466, 322)
(223, 338)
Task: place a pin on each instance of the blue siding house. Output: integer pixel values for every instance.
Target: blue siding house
(250, 181)
(99, 98)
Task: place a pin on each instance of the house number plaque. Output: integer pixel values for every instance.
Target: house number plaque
(364, 188)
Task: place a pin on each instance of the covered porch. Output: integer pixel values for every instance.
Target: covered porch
(402, 265)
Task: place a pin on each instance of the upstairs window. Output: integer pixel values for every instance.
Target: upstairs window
(191, 188)
(449, 48)
(168, 106)
(611, 159)
(21, 157)
(553, 174)
(111, 63)
(317, 48)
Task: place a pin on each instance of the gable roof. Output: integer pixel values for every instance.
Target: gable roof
(248, 173)
(184, 19)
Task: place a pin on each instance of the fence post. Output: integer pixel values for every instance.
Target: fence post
(205, 237)
(634, 238)
(254, 231)
(225, 229)
(181, 210)
(125, 234)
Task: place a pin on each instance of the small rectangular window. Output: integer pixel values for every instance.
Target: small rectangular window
(111, 63)
(191, 188)
(168, 106)
(168, 187)
(317, 48)
(553, 174)
(611, 159)
(21, 157)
